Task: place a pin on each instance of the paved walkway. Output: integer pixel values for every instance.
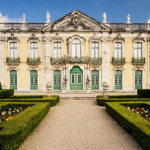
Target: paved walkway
(79, 125)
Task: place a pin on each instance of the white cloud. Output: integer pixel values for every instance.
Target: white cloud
(11, 20)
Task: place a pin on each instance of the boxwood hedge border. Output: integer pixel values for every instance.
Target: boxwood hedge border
(131, 122)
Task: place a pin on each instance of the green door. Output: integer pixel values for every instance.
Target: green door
(33, 80)
(95, 79)
(57, 80)
(118, 79)
(138, 79)
(13, 79)
(76, 78)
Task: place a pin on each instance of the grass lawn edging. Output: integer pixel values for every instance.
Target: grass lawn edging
(131, 122)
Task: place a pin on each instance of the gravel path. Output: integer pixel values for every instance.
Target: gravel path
(79, 125)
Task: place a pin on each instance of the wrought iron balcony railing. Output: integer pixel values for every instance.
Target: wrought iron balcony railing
(11, 60)
(54, 60)
(118, 60)
(96, 60)
(138, 60)
(31, 60)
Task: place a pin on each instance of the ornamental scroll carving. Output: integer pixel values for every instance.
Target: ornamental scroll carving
(119, 38)
(139, 38)
(12, 38)
(33, 38)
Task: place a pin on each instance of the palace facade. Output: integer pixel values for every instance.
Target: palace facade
(75, 52)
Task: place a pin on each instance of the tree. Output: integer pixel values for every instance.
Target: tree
(0, 86)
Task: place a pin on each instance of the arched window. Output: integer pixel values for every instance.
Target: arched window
(13, 49)
(94, 49)
(57, 50)
(118, 50)
(33, 49)
(76, 48)
(138, 50)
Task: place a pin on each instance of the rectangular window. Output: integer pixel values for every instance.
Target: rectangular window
(138, 50)
(73, 79)
(13, 49)
(118, 79)
(57, 50)
(13, 79)
(95, 50)
(79, 79)
(118, 50)
(138, 79)
(33, 49)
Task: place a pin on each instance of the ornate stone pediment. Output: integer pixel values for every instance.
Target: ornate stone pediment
(12, 38)
(118, 67)
(95, 38)
(33, 38)
(139, 38)
(77, 21)
(119, 38)
(138, 67)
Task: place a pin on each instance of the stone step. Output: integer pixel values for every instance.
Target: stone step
(77, 98)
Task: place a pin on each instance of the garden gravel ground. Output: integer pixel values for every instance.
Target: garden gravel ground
(79, 125)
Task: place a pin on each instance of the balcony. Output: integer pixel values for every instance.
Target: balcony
(118, 60)
(10, 60)
(56, 60)
(138, 60)
(75, 60)
(96, 60)
(33, 60)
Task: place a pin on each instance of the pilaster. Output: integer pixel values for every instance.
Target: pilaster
(105, 59)
(2, 40)
(148, 42)
(46, 76)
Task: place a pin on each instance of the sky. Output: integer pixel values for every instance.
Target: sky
(35, 10)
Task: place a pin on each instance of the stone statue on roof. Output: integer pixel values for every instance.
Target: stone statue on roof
(104, 17)
(48, 17)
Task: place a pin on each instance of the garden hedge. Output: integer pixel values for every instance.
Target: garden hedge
(144, 93)
(14, 131)
(53, 100)
(27, 96)
(131, 122)
(6, 93)
(102, 101)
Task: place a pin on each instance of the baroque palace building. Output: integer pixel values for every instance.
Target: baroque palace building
(75, 52)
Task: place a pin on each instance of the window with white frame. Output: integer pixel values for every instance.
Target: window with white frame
(33, 49)
(94, 49)
(138, 50)
(118, 50)
(76, 48)
(57, 49)
(13, 49)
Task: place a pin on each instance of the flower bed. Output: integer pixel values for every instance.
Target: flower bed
(141, 111)
(11, 112)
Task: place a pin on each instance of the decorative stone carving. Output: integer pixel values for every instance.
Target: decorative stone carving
(33, 66)
(65, 82)
(95, 66)
(148, 39)
(12, 38)
(105, 39)
(104, 18)
(75, 19)
(2, 39)
(138, 67)
(46, 39)
(70, 39)
(139, 38)
(118, 67)
(87, 82)
(119, 38)
(95, 38)
(57, 37)
(12, 66)
(128, 18)
(33, 38)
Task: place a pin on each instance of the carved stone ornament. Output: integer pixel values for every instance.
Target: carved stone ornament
(95, 38)
(12, 66)
(57, 66)
(33, 66)
(119, 38)
(12, 38)
(70, 39)
(57, 38)
(75, 19)
(148, 39)
(118, 67)
(46, 39)
(33, 38)
(105, 39)
(95, 66)
(139, 38)
(138, 67)
(2, 39)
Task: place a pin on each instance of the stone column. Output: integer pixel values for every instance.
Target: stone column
(46, 76)
(148, 42)
(2, 39)
(105, 59)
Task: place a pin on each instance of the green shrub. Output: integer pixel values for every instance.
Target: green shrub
(27, 96)
(14, 131)
(0, 86)
(131, 122)
(6, 93)
(123, 96)
(144, 93)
